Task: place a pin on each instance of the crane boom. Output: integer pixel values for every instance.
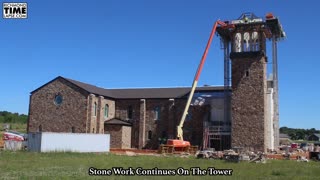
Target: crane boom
(197, 75)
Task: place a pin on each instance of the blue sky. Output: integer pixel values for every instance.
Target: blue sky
(117, 44)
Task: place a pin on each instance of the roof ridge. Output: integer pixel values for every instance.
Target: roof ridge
(170, 87)
(136, 93)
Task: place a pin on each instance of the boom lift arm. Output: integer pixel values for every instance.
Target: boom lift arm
(197, 75)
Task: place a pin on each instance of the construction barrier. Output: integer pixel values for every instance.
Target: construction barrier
(68, 142)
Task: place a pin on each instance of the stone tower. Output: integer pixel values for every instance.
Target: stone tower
(254, 123)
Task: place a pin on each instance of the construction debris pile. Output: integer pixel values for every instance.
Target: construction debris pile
(300, 152)
(232, 156)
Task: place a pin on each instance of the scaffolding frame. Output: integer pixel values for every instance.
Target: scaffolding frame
(216, 132)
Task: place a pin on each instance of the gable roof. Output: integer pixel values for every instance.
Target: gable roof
(136, 93)
(115, 121)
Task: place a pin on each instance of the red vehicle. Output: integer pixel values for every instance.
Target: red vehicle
(294, 145)
(14, 136)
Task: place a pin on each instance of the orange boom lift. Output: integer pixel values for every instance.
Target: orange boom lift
(179, 142)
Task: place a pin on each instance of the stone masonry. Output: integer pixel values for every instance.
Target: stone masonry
(45, 115)
(152, 120)
(165, 126)
(248, 102)
(120, 136)
(95, 123)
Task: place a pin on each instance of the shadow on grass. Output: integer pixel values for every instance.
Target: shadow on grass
(277, 173)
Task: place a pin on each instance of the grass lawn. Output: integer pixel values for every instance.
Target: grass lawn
(20, 127)
(26, 165)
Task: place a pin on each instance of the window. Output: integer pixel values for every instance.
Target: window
(58, 100)
(237, 42)
(40, 128)
(106, 110)
(247, 73)
(95, 109)
(255, 41)
(149, 135)
(246, 40)
(157, 111)
(73, 130)
(129, 112)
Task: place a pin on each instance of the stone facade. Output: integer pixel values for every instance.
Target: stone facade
(147, 129)
(76, 113)
(151, 121)
(96, 119)
(122, 112)
(120, 136)
(45, 115)
(248, 103)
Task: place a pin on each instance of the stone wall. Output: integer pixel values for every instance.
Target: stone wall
(92, 115)
(45, 115)
(164, 127)
(122, 113)
(120, 136)
(77, 112)
(96, 121)
(126, 137)
(115, 132)
(161, 127)
(248, 103)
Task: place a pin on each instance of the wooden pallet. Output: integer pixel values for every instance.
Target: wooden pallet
(193, 149)
(165, 149)
(1, 144)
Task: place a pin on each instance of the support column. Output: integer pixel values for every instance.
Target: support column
(171, 117)
(100, 115)
(91, 118)
(142, 124)
(275, 91)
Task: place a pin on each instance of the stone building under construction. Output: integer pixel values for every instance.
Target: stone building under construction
(242, 113)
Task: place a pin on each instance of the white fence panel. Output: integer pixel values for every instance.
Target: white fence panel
(74, 142)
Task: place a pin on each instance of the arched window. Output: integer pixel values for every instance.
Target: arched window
(129, 112)
(237, 42)
(246, 42)
(157, 111)
(106, 110)
(255, 41)
(95, 109)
